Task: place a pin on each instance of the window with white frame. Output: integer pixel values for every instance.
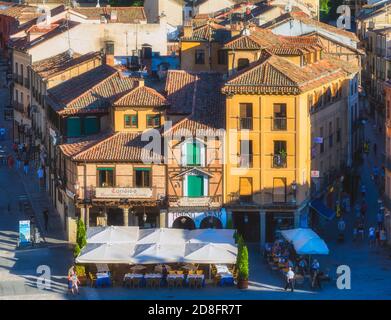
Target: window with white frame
(193, 153)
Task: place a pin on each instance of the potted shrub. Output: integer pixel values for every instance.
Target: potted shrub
(242, 265)
(81, 274)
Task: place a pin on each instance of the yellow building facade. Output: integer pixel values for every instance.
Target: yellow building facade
(274, 107)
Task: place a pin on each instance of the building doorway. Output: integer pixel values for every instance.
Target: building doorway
(248, 225)
(184, 223)
(211, 223)
(115, 217)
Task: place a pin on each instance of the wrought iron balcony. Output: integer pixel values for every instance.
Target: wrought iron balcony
(246, 123)
(279, 161)
(279, 124)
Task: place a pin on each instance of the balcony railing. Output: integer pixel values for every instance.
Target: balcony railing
(279, 124)
(207, 201)
(27, 83)
(18, 106)
(245, 161)
(246, 123)
(279, 161)
(237, 198)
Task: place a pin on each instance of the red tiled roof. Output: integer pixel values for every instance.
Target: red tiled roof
(59, 63)
(280, 45)
(92, 91)
(124, 14)
(211, 31)
(141, 97)
(207, 103)
(276, 75)
(115, 147)
(23, 44)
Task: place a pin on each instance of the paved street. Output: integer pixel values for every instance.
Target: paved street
(370, 267)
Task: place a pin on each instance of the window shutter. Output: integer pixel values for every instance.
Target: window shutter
(73, 127)
(91, 125)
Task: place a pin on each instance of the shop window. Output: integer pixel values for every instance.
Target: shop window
(153, 121)
(73, 127)
(91, 125)
(195, 186)
(143, 177)
(130, 121)
(106, 177)
(200, 57)
(245, 189)
(243, 63)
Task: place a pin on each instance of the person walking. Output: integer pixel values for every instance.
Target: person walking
(18, 161)
(361, 229)
(380, 219)
(10, 161)
(46, 218)
(341, 229)
(383, 237)
(290, 280)
(372, 236)
(375, 148)
(26, 167)
(40, 174)
(75, 283)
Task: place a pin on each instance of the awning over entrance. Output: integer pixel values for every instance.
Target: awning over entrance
(320, 208)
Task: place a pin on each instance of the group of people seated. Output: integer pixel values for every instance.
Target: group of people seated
(281, 254)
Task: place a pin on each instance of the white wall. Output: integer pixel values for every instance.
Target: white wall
(297, 28)
(213, 6)
(91, 37)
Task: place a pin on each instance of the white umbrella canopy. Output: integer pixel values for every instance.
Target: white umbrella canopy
(162, 236)
(306, 241)
(106, 253)
(211, 253)
(292, 235)
(211, 235)
(313, 246)
(159, 253)
(112, 234)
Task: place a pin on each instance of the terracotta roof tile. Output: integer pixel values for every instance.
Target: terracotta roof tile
(141, 97)
(92, 91)
(115, 147)
(207, 103)
(276, 75)
(211, 31)
(124, 14)
(53, 66)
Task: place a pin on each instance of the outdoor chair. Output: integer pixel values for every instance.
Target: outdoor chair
(200, 272)
(191, 272)
(179, 282)
(149, 283)
(192, 282)
(199, 282)
(299, 279)
(156, 282)
(179, 272)
(217, 280)
(92, 279)
(135, 283)
(171, 283)
(171, 272)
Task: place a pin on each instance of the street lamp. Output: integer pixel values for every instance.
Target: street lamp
(294, 188)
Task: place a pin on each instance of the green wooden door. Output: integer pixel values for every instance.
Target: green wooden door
(195, 186)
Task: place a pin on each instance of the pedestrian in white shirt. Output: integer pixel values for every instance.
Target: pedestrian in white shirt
(290, 280)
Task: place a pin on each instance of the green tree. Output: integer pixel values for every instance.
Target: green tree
(242, 260)
(81, 237)
(126, 3)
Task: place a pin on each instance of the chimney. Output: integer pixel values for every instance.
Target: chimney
(113, 15)
(109, 53)
(141, 82)
(188, 29)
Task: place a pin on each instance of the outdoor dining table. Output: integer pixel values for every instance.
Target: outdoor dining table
(129, 276)
(226, 278)
(103, 279)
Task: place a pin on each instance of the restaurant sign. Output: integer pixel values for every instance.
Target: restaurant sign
(194, 202)
(24, 232)
(123, 192)
(197, 217)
